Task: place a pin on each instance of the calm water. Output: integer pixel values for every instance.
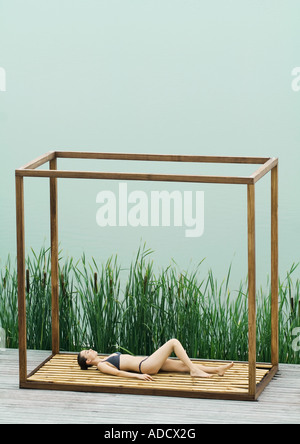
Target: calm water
(152, 77)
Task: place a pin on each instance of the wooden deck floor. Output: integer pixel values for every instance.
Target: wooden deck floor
(279, 403)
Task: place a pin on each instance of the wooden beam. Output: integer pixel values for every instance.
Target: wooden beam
(264, 169)
(39, 161)
(21, 279)
(265, 381)
(160, 157)
(251, 290)
(135, 176)
(54, 259)
(274, 266)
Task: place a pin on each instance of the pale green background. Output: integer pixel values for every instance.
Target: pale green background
(160, 76)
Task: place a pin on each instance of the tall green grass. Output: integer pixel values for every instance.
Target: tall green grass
(208, 317)
(100, 308)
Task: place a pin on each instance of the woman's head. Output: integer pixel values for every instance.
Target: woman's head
(85, 358)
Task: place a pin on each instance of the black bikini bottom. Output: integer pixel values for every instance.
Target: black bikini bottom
(140, 364)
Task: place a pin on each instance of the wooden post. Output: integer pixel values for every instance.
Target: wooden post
(274, 266)
(21, 279)
(251, 290)
(54, 260)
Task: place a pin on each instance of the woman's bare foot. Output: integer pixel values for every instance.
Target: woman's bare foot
(223, 368)
(197, 373)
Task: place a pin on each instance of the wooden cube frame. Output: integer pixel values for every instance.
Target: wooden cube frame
(266, 165)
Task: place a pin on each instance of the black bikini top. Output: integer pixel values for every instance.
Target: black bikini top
(114, 360)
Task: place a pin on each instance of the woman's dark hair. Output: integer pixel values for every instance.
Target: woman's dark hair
(82, 362)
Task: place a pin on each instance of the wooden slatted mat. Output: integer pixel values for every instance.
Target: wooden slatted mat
(63, 369)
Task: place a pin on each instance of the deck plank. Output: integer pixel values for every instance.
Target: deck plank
(279, 402)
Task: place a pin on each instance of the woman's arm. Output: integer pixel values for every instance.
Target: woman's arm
(105, 368)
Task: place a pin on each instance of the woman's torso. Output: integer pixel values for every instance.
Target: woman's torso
(126, 362)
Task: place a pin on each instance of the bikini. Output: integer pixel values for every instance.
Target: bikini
(115, 361)
(140, 364)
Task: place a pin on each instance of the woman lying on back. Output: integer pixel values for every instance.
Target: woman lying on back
(130, 366)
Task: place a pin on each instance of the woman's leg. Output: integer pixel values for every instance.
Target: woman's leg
(156, 361)
(172, 365)
(220, 370)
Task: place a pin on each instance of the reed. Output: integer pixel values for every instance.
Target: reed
(208, 317)
(9, 303)
(100, 308)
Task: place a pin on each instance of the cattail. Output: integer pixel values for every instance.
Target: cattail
(44, 279)
(95, 282)
(62, 280)
(292, 304)
(27, 281)
(180, 284)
